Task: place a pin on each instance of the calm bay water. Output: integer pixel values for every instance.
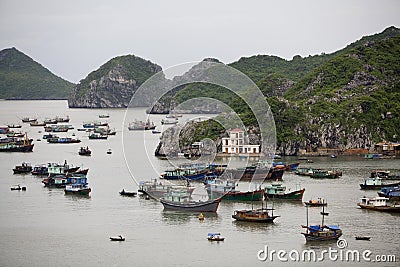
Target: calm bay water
(44, 227)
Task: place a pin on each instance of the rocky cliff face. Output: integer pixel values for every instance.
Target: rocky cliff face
(113, 84)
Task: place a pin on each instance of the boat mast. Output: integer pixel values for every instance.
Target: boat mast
(307, 217)
(323, 215)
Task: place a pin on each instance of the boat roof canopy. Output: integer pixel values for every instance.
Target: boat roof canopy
(333, 227)
(212, 234)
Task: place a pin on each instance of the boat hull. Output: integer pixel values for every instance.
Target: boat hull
(380, 208)
(238, 196)
(207, 206)
(256, 220)
(366, 186)
(294, 195)
(314, 237)
(82, 192)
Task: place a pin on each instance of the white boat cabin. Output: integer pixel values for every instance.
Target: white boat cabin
(376, 202)
(373, 181)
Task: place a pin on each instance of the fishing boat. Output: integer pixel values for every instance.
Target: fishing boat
(304, 171)
(191, 172)
(376, 183)
(97, 136)
(25, 167)
(28, 119)
(256, 172)
(169, 121)
(258, 215)
(77, 189)
(15, 146)
(14, 126)
(62, 119)
(62, 180)
(40, 170)
(141, 125)
(319, 202)
(36, 123)
(226, 190)
(325, 174)
(48, 136)
(155, 132)
(157, 189)
(56, 128)
(50, 121)
(321, 232)
(127, 193)
(378, 204)
(118, 238)
(215, 237)
(367, 238)
(278, 191)
(18, 188)
(63, 140)
(391, 192)
(179, 200)
(85, 151)
(13, 134)
(104, 116)
(109, 151)
(384, 175)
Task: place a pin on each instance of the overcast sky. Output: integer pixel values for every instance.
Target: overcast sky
(73, 38)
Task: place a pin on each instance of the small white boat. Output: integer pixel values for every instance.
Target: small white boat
(215, 237)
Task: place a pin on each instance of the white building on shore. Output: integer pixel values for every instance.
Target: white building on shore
(235, 144)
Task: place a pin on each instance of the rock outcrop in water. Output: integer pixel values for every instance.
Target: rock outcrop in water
(113, 84)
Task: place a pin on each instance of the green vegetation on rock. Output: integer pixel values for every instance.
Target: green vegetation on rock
(23, 78)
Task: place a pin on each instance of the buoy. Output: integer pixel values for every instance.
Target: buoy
(201, 217)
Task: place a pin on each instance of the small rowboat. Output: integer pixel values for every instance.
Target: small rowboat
(215, 237)
(127, 193)
(363, 238)
(118, 238)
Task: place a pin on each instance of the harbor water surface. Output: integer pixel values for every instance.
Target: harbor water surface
(45, 227)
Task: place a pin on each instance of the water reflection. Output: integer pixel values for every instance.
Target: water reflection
(177, 217)
(252, 226)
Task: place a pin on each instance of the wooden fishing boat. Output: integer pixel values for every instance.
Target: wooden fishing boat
(378, 204)
(36, 123)
(77, 189)
(98, 136)
(63, 140)
(85, 151)
(384, 175)
(316, 202)
(278, 191)
(18, 188)
(157, 189)
(376, 183)
(225, 189)
(24, 146)
(127, 193)
(141, 125)
(118, 238)
(215, 237)
(325, 174)
(166, 121)
(23, 168)
(259, 215)
(321, 232)
(367, 238)
(14, 126)
(28, 119)
(179, 200)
